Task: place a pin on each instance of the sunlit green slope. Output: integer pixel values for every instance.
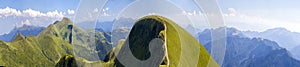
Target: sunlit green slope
(53, 43)
(54, 46)
(181, 48)
(33, 51)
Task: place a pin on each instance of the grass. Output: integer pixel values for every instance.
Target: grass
(53, 45)
(182, 49)
(34, 51)
(42, 50)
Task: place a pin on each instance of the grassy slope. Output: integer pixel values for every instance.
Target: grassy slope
(42, 50)
(180, 40)
(182, 48)
(52, 44)
(33, 51)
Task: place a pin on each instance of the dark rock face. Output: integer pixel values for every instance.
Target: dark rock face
(141, 35)
(70, 27)
(66, 61)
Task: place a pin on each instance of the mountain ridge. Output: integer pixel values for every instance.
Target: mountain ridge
(243, 51)
(47, 47)
(188, 45)
(25, 30)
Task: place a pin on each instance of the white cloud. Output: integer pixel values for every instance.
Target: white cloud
(32, 13)
(232, 12)
(71, 11)
(55, 14)
(151, 13)
(104, 12)
(9, 12)
(105, 9)
(243, 21)
(25, 22)
(194, 13)
(11, 17)
(248, 21)
(96, 10)
(6, 12)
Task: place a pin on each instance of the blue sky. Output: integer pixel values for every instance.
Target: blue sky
(33, 12)
(256, 15)
(260, 15)
(41, 5)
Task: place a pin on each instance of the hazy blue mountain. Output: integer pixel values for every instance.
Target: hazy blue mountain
(282, 36)
(107, 26)
(285, 38)
(242, 51)
(123, 22)
(191, 29)
(101, 26)
(205, 36)
(25, 30)
(119, 34)
(116, 24)
(295, 52)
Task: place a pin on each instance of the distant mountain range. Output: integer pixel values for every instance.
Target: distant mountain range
(296, 52)
(25, 30)
(284, 38)
(107, 26)
(242, 51)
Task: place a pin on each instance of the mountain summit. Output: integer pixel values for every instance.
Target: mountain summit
(180, 48)
(53, 43)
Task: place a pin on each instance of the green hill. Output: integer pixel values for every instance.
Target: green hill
(181, 48)
(51, 44)
(54, 46)
(89, 44)
(41, 50)
(33, 51)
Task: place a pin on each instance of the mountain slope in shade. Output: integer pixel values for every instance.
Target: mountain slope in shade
(295, 52)
(276, 58)
(285, 38)
(89, 44)
(242, 51)
(25, 30)
(66, 61)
